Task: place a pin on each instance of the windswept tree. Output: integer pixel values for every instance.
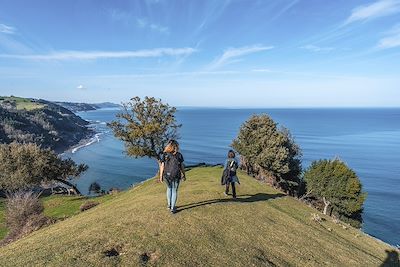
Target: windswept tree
(338, 186)
(269, 153)
(146, 126)
(25, 165)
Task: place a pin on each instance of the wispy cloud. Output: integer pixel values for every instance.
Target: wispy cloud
(380, 8)
(285, 9)
(130, 19)
(7, 29)
(144, 23)
(391, 40)
(81, 87)
(262, 70)
(93, 55)
(233, 55)
(315, 48)
(167, 74)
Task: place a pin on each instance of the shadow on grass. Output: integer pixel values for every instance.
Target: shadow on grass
(240, 199)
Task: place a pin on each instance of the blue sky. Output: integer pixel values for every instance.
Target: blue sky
(238, 53)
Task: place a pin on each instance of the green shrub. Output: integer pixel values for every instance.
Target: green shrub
(269, 153)
(25, 165)
(339, 187)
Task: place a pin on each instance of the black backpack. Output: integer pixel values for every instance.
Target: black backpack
(232, 167)
(172, 167)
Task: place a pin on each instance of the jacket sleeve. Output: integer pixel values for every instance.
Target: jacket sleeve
(225, 164)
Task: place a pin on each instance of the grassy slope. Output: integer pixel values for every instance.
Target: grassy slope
(22, 103)
(3, 229)
(57, 206)
(261, 228)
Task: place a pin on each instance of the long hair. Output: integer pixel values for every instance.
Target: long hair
(231, 154)
(172, 147)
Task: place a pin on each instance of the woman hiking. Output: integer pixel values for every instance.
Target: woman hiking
(172, 172)
(229, 176)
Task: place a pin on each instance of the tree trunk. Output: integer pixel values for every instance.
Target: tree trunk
(327, 203)
(69, 184)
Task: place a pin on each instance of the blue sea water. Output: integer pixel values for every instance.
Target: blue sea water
(367, 139)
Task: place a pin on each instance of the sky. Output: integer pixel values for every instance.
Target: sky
(220, 53)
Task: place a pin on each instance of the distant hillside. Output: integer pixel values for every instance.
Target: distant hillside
(41, 122)
(76, 107)
(262, 227)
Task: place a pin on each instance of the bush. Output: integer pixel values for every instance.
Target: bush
(24, 214)
(23, 166)
(339, 187)
(269, 153)
(94, 188)
(88, 205)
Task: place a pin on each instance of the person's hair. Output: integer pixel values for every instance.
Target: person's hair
(231, 154)
(172, 147)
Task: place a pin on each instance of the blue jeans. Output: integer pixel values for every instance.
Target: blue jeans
(172, 193)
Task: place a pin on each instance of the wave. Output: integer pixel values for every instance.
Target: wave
(94, 139)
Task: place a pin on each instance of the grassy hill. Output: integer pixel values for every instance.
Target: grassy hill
(77, 107)
(261, 228)
(20, 103)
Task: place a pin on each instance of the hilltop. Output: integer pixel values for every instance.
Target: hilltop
(41, 122)
(76, 107)
(262, 227)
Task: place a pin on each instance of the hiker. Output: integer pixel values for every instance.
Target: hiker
(172, 172)
(229, 176)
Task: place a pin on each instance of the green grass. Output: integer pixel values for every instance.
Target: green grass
(56, 206)
(3, 229)
(261, 228)
(22, 103)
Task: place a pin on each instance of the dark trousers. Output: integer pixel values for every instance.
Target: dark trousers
(233, 189)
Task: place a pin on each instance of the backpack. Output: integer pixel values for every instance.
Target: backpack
(172, 167)
(232, 166)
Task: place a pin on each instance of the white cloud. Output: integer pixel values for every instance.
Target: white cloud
(391, 40)
(144, 23)
(7, 29)
(315, 48)
(233, 55)
(380, 8)
(168, 74)
(81, 87)
(262, 70)
(93, 55)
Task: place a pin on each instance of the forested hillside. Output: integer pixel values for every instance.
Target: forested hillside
(41, 122)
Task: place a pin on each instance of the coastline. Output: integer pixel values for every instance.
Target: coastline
(91, 138)
(86, 141)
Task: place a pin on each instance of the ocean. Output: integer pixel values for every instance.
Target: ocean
(368, 140)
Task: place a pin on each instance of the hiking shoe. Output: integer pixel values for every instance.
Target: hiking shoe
(173, 211)
(225, 194)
